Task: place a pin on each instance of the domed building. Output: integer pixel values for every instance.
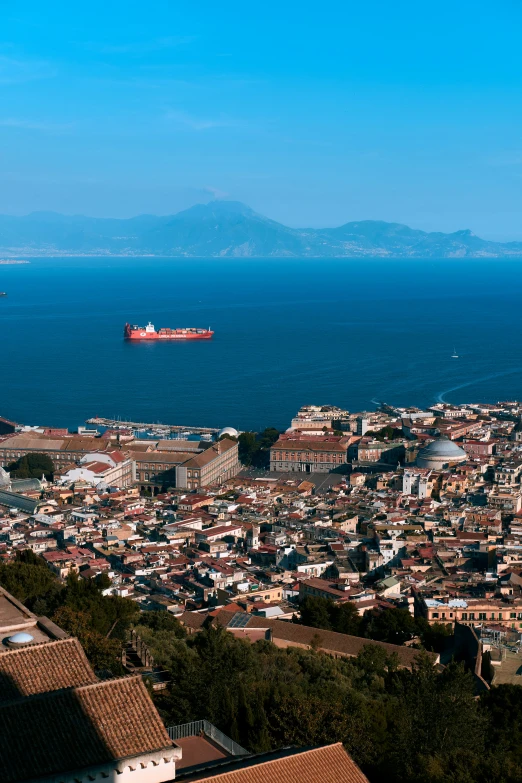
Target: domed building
(228, 431)
(440, 454)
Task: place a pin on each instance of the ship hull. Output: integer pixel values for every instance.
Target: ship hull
(161, 337)
(146, 335)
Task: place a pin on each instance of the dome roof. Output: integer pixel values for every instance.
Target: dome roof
(21, 638)
(439, 454)
(442, 448)
(228, 431)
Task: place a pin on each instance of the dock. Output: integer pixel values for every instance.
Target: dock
(149, 426)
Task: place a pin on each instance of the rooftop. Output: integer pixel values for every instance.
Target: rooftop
(39, 735)
(43, 667)
(330, 764)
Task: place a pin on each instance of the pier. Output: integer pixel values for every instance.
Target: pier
(149, 426)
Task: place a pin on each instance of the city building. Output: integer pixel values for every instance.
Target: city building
(113, 469)
(440, 454)
(212, 467)
(309, 454)
(319, 417)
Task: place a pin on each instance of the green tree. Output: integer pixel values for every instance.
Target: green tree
(102, 652)
(247, 447)
(395, 626)
(346, 618)
(433, 637)
(163, 621)
(32, 466)
(29, 580)
(502, 706)
(254, 448)
(316, 612)
(437, 724)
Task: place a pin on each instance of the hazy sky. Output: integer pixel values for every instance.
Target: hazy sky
(313, 113)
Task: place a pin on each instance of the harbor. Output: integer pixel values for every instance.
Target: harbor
(157, 429)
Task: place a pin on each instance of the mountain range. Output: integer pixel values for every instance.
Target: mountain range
(230, 229)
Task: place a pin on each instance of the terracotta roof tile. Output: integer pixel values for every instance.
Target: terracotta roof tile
(330, 764)
(200, 460)
(81, 727)
(43, 667)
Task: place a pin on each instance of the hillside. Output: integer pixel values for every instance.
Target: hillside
(231, 229)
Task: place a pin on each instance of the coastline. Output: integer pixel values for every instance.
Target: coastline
(373, 255)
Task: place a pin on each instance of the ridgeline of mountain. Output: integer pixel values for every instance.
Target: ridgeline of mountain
(229, 229)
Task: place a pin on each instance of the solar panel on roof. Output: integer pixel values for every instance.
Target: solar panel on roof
(239, 620)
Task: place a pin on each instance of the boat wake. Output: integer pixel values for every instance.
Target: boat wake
(440, 397)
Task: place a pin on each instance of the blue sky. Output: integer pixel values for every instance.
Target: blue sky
(312, 113)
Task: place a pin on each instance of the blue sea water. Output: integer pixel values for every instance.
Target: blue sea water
(287, 332)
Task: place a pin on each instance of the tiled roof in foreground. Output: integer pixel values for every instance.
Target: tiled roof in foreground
(43, 667)
(68, 730)
(330, 764)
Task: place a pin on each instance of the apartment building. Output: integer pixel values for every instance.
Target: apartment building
(471, 611)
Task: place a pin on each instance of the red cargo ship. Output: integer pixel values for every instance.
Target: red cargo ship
(149, 333)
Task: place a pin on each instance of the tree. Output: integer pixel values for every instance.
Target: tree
(32, 466)
(247, 447)
(317, 612)
(268, 437)
(346, 619)
(102, 652)
(503, 707)
(374, 659)
(316, 642)
(433, 637)
(254, 448)
(395, 626)
(29, 580)
(163, 621)
(386, 433)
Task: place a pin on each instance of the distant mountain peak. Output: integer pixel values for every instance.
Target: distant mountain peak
(223, 228)
(464, 232)
(218, 207)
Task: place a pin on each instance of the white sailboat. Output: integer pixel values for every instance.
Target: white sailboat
(454, 355)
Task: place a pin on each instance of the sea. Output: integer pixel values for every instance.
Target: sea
(351, 333)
